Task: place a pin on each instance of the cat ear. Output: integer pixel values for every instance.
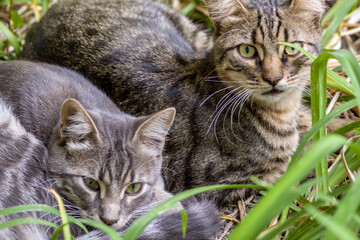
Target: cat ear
(153, 131)
(76, 126)
(311, 8)
(220, 10)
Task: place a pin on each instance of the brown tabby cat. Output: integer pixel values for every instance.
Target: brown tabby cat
(238, 94)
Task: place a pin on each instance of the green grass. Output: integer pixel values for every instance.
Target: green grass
(325, 207)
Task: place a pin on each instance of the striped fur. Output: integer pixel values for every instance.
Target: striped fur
(22, 178)
(237, 117)
(90, 138)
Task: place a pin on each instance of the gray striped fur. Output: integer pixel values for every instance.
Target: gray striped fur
(94, 140)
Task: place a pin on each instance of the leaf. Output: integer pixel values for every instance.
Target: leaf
(106, 229)
(318, 107)
(16, 19)
(11, 37)
(281, 195)
(21, 221)
(347, 128)
(63, 215)
(45, 5)
(184, 222)
(139, 224)
(36, 11)
(339, 11)
(190, 7)
(338, 229)
(57, 231)
(335, 112)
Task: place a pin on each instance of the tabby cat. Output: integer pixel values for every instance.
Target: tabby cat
(105, 163)
(238, 93)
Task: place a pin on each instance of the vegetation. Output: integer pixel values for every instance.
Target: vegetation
(296, 207)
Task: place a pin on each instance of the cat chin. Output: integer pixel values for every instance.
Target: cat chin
(282, 99)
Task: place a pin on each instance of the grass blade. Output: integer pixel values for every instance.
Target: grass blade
(337, 111)
(63, 215)
(11, 37)
(339, 230)
(106, 229)
(280, 196)
(184, 221)
(318, 108)
(21, 221)
(139, 224)
(28, 208)
(341, 9)
(347, 209)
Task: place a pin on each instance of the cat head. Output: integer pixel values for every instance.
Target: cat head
(108, 164)
(246, 54)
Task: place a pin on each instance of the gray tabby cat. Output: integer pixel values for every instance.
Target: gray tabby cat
(105, 163)
(238, 94)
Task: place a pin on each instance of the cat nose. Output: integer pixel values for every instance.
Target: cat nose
(273, 80)
(109, 222)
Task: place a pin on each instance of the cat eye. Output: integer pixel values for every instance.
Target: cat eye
(247, 51)
(133, 188)
(291, 51)
(91, 183)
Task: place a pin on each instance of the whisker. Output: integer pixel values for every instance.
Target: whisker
(219, 108)
(232, 101)
(209, 73)
(223, 89)
(242, 95)
(241, 104)
(225, 98)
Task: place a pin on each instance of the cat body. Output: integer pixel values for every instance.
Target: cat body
(23, 171)
(237, 94)
(105, 163)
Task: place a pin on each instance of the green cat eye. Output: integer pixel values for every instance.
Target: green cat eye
(247, 51)
(133, 188)
(293, 51)
(92, 183)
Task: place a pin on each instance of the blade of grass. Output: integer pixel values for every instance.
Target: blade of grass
(347, 128)
(184, 222)
(337, 111)
(139, 224)
(190, 7)
(45, 5)
(36, 11)
(318, 108)
(344, 214)
(10, 37)
(339, 174)
(28, 208)
(106, 229)
(351, 67)
(288, 223)
(342, 8)
(40, 208)
(54, 236)
(318, 97)
(21, 221)
(337, 229)
(63, 215)
(281, 195)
